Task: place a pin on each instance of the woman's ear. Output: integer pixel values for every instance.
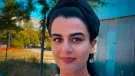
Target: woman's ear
(92, 46)
(93, 43)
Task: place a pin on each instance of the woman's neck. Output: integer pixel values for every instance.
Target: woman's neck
(82, 72)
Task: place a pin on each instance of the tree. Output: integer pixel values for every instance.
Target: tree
(33, 36)
(13, 12)
(3, 36)
(22, 38)
(95, 3)
(17, 41)
(25, 37)
(0, 39)
(44, 11)
(28, 25)
(47, 40)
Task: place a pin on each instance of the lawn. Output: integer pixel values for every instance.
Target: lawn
(23, 54)
(25, 63)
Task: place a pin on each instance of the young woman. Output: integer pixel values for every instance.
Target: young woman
(73, 27)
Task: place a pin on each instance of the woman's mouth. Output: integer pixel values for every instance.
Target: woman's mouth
(68, 59)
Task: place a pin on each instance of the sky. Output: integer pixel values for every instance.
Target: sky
(115, 8)
(37, 13)
(1, 3)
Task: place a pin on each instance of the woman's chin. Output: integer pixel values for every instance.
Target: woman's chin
(68, 70)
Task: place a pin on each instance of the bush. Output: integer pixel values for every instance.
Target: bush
(48, 44)
(17, 43)
(48, 41)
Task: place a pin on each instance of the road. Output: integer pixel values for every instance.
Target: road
(37, 50)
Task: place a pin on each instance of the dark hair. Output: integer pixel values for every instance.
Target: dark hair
(84, 12)
(68, 12)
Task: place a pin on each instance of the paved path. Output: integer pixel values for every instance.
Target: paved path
(37, 50)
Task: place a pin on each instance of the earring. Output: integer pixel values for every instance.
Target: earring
(91, 60)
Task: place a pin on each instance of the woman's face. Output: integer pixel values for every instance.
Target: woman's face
(70, 43)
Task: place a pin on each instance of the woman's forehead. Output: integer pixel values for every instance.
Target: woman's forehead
(70, 35)
(70, 25)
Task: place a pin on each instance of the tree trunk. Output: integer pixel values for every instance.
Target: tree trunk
(8, 42)
(0, 41)
(42, 46)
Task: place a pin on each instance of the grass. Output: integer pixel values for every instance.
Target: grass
(25, 63)
(13, 67)
(23, 54)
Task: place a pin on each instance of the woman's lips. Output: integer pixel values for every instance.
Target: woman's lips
(68, 59)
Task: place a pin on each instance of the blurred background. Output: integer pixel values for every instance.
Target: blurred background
(25, 43)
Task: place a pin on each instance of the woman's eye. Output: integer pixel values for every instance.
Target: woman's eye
(77, 40)
(57, 40)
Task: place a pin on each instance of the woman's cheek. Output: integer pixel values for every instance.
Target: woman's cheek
(82, 50)
(82, 46)
(55, 48)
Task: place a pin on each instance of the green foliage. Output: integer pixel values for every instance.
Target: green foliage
(95, 4)
(28, 25)
(21, 38)
(47, 41)
(45, 8)
(48, 44)
(25, 37)
(34, 36)
(3, 36)
(13, 12)
(17, 43)
(0, 38)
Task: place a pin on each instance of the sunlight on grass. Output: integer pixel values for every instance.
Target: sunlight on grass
(25, 63)
(23, 54)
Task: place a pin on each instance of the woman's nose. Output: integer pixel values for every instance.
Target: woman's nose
(67, 47)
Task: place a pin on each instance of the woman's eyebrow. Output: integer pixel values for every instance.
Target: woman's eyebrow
(78, 33)
(55, 34)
